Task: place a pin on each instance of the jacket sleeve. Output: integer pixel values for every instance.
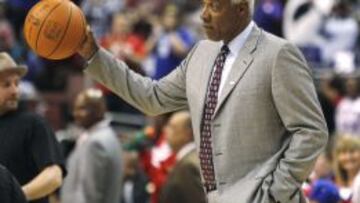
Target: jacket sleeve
(296, 101)
(151, 97)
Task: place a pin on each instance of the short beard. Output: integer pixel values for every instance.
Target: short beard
(9, 106)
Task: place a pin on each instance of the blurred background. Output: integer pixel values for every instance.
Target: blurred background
(153, 36)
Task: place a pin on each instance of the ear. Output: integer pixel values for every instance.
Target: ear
(242, 8)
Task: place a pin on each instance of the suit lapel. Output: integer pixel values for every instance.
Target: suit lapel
(241, 64)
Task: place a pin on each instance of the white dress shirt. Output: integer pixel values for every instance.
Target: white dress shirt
(235, 45)
(185, 150)
(96, 128)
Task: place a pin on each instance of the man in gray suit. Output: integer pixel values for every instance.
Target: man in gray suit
(257, 122)
(183, 185)
(94, 166)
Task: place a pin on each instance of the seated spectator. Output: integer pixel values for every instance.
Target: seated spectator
(314, 27)
(16, 11)
(188, 7)
(303, 20)
(322, 169)
(7, 37)
(99, 13)
(170, 46)
(346, 164)
(123, 43)
(127, 46)
(339, 40)
(184, 181)
(330, 94)
(347, 117)
(324, 191)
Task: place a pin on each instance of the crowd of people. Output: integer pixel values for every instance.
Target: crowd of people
(157, 162)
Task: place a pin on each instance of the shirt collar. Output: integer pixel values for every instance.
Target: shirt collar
(185, 150)
(238, 42)
(101, 124)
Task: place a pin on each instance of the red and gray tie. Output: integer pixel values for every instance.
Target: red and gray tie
(206, 159)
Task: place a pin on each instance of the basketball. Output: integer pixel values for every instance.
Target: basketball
(54, 29)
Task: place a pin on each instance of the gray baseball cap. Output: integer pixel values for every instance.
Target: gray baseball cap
(8, 65)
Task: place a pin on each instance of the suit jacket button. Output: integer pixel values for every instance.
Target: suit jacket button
(218, 153)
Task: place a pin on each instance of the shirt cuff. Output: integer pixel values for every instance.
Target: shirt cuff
(91, 59)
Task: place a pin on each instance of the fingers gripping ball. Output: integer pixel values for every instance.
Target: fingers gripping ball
(55, 29)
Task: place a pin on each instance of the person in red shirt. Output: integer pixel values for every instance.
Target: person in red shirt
(156, 156)
(122, 42)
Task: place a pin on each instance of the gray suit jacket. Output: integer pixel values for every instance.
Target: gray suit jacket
(94, 170)
(268, 127)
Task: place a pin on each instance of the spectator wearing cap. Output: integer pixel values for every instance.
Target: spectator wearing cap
(28, 148)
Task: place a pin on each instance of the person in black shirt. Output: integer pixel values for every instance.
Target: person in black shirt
(28, 148)
(10, 190)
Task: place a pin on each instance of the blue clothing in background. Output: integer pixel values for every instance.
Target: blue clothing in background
(22, 4)
(165, 58)
(269, 16)
(324, 191)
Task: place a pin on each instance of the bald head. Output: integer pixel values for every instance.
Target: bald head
(179, 130)
(183, 118)
(89, 108)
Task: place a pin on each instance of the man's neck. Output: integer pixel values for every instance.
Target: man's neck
(236, 32)
(184, 150)
(94, 124)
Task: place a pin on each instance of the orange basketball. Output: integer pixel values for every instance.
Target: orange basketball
(54, 29)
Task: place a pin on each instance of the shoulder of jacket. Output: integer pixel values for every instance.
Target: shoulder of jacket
(207, 44)
(275, 44)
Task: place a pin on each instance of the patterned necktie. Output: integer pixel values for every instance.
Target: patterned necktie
(206, 159)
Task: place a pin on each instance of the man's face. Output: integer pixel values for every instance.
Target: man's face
(222, 20)
(177, 134)
(83, 113)
(170, 21)
(322, 167)
(9, 91)
(121, 25)
(352, 87)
